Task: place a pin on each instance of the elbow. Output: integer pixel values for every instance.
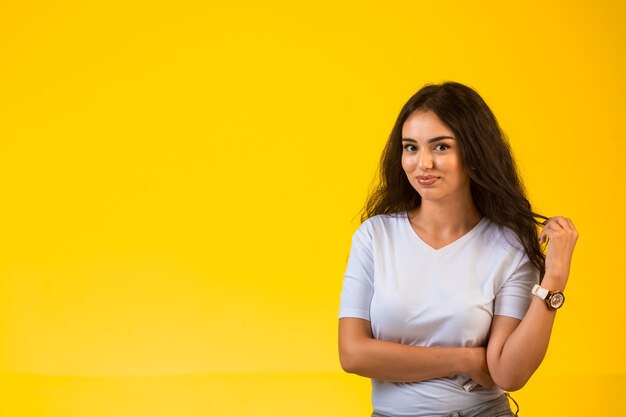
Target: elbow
(348, 360)
(353, 358)
(348, 366)
(510, 376)
(354, 339)
(507, 378)
(512, 387)
(510, 383)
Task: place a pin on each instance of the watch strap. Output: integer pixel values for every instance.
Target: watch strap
(540, 292)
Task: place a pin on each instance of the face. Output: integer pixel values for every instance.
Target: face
(431, 159)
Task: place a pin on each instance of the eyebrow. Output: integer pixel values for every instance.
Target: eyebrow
(435, 139)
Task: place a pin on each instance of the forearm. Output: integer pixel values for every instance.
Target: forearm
(514, 362)
(516, 348)
(363, 355)
(388, 361)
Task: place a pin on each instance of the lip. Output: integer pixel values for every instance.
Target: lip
(426, 179)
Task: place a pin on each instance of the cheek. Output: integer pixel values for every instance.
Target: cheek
(458, 168)
(456, 165)
(408, 163)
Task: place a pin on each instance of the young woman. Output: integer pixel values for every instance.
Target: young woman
(437, 305)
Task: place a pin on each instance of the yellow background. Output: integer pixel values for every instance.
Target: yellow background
(179, 182)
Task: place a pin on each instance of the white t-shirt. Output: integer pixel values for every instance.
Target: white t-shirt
(416, 295)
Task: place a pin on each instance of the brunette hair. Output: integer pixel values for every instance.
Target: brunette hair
(495, 185)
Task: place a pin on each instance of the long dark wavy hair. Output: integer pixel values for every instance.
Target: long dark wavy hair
(495, 185)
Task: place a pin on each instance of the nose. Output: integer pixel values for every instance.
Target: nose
(425, 160)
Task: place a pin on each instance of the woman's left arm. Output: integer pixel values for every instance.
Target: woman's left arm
(517, 347)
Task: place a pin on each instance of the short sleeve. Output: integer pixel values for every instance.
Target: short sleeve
(358, 281)
(513, 298)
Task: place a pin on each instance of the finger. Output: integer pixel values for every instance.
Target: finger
(558, 223)
(550, 229)
(563, 224)
(571, 224)
(549, 223)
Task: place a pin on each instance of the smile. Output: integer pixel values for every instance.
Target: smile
(427, 180)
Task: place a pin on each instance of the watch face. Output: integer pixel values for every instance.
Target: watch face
(557, 300)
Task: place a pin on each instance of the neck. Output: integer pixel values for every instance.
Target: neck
(452, 217)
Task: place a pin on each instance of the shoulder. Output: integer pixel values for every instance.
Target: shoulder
(503, 238)
(383, 222)
(380, 225)
(506, 247)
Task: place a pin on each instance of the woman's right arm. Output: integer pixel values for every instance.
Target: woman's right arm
(361, 354)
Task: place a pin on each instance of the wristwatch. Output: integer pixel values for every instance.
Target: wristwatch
(554, 299)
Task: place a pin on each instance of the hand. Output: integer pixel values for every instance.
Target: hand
(479, 372)
(560, 235)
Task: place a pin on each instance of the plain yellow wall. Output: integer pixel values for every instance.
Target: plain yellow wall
(179, 182)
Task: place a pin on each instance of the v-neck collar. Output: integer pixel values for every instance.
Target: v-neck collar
(474, 230)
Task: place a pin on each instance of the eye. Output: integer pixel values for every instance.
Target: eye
(410, 148)
(441, 147)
